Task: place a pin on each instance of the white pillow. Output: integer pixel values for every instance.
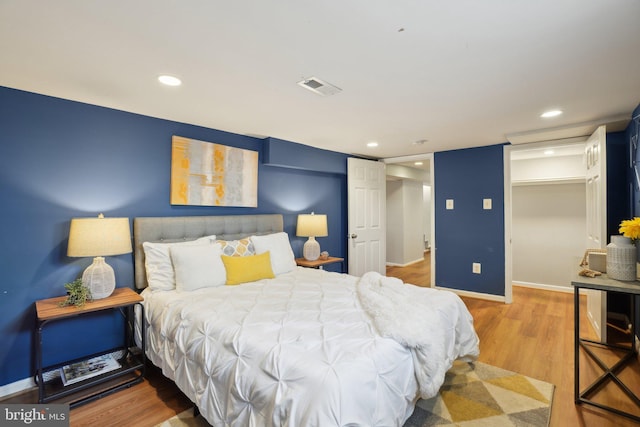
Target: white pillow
(158, 266)
(198, 266)
(282, 258)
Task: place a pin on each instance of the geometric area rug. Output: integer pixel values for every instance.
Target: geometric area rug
(473, 395)
(478, 394)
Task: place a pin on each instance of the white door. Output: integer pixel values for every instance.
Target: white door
(596, 180)
(366, 191)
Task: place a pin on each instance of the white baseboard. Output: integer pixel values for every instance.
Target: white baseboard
(393, 264)
(555, 288)
(490, 297)
(470, 294)
(17, 387)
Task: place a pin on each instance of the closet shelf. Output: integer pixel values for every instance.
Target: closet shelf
(550, 181)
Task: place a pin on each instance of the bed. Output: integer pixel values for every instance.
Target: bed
(287, 345)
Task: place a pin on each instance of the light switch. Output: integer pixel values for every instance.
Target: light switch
(449, 204)
(486, 203)
(476, 268)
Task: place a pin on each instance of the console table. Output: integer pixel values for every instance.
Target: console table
(604, 284)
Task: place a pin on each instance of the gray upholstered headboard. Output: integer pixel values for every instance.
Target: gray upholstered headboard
(183, 228)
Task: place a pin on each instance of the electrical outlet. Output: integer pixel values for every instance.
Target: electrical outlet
(449, 204)
(476, 268)
(486, 204)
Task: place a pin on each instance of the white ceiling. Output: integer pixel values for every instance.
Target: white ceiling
(458, 73)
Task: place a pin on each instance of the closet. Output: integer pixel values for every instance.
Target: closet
(548, 213)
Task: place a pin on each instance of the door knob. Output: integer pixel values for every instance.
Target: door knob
(354, 236)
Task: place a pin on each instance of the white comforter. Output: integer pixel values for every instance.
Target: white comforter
(434, 324)
(298, 350)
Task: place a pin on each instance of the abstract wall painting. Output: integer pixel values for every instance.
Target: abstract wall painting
(208, 174)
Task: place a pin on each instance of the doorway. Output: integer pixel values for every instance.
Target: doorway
(410, 229)
(548, 213)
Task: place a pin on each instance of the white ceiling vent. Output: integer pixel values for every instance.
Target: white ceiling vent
(318, 86)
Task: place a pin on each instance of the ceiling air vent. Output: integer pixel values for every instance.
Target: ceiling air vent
(318, 86)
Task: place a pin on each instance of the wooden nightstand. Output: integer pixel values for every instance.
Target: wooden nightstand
(320, 262)
(130, 357)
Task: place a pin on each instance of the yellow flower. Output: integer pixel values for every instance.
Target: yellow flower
(630, 228)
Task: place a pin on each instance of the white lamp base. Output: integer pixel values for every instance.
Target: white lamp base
(99, 278)
(311, 249)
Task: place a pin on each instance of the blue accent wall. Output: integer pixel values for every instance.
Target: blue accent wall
(469, 233)
(61, 159)
(632, 138)
(278, 152)
(619, 190)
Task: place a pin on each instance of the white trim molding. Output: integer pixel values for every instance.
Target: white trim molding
(508, 247)
(415, 261)
(488, 297)
(554, 288)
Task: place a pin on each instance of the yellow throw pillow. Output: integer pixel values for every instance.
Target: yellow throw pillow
(242, 269)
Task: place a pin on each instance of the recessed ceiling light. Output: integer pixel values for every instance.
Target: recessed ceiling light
(550, 113)
(418, 163)
(372, 144)
(548, 152)
(169, 80)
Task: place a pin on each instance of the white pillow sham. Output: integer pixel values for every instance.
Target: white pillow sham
(282, 258)
(198, 266)
(157, 262)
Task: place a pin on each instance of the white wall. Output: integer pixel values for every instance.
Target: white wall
(394, 222)
(413, 221)
(426, 203)
(405, 172)
(405, 222)
(548, 168)
(548, 232)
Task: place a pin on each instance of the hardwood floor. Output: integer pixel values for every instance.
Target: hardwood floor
(532, 336)
(418, 273)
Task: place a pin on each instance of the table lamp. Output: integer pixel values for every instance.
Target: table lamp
(311, 226)
(99, 237)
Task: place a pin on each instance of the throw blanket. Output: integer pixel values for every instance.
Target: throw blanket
(434, 324)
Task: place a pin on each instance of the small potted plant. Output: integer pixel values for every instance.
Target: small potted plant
(77, 294)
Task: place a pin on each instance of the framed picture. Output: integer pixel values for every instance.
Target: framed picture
(208, 174)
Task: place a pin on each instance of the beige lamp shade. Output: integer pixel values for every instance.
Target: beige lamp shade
(99, 237)
(312, 225)
(91, 237)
